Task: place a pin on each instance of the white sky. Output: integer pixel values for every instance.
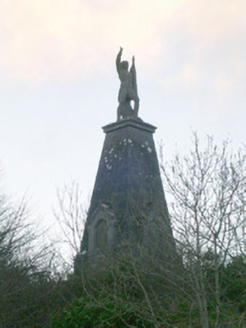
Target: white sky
(59, 86)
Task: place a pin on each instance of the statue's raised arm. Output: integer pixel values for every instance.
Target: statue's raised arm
(128, 89)
(118, 60)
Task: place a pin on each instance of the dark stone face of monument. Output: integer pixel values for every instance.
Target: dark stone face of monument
(128, 209)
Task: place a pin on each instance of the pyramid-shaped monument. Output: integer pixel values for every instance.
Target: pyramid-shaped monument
(128, 211)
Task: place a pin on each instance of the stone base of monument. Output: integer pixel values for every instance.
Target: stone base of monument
(128, 210)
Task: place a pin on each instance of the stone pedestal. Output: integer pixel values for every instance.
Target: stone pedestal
(128, 210)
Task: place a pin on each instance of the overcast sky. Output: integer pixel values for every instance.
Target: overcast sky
(59, 84)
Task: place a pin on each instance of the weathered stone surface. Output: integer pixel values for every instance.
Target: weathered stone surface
(128, 207)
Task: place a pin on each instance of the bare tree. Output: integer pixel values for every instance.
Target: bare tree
(70, 215)
(25, 268)
(207, 191)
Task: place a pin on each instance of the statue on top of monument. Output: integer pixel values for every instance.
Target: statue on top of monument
(128, 89)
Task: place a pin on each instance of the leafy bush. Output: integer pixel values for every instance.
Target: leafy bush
(234, 283)
(104, 312)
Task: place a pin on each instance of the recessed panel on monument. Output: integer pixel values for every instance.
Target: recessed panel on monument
(128, 210)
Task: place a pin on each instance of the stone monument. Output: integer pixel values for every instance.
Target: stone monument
(128, 210)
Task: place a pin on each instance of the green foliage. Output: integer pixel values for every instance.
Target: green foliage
(233, 283)
(102, 312)
(118, 294)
